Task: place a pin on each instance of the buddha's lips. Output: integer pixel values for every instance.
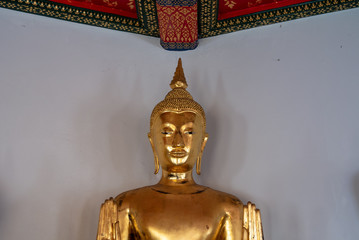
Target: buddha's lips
(178, 153)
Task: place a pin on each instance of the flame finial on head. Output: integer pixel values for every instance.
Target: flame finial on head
(179, 80)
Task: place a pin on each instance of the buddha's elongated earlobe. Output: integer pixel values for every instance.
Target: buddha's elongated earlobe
(199, 159)
(157, 164)
(198, 165)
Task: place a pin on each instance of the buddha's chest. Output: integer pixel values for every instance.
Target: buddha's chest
(176, 218)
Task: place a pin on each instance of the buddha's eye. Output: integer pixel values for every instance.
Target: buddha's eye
(167, 132)
(190, 132)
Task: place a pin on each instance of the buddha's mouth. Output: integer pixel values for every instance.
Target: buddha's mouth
(178, 153)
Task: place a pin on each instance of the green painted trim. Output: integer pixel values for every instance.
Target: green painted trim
(147, 22)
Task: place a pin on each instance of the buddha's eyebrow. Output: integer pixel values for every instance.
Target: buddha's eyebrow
(169, 125)
(187, 125)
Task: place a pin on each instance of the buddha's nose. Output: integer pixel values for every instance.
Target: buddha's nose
(178, 140)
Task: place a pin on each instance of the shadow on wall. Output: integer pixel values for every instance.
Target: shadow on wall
(66, 217)
(77, 218)
(85, 230)
(2, 212)
(227, 135)
(356, 190)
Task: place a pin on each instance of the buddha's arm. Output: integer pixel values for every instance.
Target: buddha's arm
(113, 222)
(252, 223)
(108, 224)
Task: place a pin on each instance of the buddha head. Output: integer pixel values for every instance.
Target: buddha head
(177, 129)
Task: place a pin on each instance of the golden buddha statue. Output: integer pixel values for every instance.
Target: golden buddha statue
(177, 207)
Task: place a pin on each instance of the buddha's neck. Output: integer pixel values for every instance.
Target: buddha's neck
(177, 179)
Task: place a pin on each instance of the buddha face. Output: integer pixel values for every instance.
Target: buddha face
(178, 139)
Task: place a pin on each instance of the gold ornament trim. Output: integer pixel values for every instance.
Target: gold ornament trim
(147, 22)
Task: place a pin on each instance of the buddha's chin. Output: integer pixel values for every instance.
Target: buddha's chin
(178, 160)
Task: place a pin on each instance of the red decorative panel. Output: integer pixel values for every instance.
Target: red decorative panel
(178, 26)
(235, 8)
(126, 8)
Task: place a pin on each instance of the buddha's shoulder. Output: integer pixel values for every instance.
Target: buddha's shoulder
(216, 197)
(223, 197)
(123, 200)
(132, 194)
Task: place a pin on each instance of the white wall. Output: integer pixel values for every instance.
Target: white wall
(282, 105)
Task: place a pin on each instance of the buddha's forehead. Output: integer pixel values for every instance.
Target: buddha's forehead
(180, 118)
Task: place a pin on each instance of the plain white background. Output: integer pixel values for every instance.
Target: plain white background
(282, 109)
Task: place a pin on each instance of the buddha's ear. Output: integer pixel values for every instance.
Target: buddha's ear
(205, 138)
(199, 159)
(157, 165)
